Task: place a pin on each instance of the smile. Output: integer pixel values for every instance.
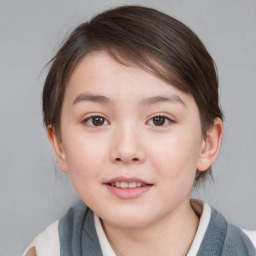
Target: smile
(123, 184)
(128, 188)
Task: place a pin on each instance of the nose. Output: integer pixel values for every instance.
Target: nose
(127, 146)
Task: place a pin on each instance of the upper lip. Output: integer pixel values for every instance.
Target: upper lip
(127, 179)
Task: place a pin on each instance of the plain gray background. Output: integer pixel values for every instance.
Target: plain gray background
(33, 193)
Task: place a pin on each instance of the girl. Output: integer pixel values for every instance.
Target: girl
(132, 112)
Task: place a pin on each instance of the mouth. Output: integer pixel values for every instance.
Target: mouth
(127, 182)
(123, 184)
(128, 188)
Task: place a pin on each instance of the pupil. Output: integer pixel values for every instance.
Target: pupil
(98, 120)
(159, 120)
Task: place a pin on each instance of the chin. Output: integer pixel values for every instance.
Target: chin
(128, 220)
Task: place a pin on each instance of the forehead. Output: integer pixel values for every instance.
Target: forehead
(99, 74)
(100, 65)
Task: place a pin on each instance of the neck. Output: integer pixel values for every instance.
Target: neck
(171, 235)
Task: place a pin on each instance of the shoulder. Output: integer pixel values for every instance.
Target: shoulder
(46, 243)
(222, 238)
(65, 233)
(77, 233)
(239, 240)
(251, 235)
(235, 239)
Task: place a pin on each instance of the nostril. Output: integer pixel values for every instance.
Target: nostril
(118, 159)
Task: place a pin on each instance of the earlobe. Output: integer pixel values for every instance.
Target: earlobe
(57, 148)
(210, 146)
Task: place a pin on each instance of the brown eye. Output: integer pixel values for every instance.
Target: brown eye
(159, 120)
(95, 121)
(98, 120)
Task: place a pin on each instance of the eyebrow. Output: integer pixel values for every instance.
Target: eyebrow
(158, 99)
(147, 101)
(91, 97)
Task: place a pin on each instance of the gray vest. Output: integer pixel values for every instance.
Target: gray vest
(78, 236)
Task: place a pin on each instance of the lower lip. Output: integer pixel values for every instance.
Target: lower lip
(128, 193)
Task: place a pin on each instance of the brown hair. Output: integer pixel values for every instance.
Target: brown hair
(149, 39)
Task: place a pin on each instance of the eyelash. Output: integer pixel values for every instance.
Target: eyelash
(90, 119)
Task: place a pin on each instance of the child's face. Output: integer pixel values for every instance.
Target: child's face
(122, 124)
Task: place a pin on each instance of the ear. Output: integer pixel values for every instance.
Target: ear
(210, 146)
(57, 148)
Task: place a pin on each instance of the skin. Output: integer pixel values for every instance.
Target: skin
(129, 143)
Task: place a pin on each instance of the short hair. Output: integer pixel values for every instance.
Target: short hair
(153, 41)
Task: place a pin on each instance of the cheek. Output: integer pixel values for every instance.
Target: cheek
(84, 159)
(85, 163)
(176, 158)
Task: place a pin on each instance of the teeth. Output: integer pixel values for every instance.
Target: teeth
(123, 184)
(139, 184)
(132, 185)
